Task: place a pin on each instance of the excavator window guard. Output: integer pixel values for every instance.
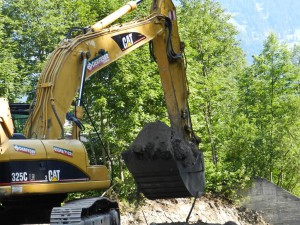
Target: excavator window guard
(20, 114)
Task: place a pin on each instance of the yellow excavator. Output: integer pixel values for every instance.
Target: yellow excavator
(41, 166)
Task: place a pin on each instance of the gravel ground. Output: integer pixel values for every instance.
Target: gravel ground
(207, 211)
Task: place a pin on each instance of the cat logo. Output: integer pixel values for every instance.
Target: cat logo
(128, 40)
(54, 175)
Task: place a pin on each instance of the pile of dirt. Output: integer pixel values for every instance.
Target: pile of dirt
(207, 211)
(157, 140)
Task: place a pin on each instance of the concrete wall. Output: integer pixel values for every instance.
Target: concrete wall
(278, 206)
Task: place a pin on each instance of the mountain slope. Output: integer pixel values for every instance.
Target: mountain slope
(255, 19)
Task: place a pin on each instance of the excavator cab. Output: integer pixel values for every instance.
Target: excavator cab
(20, 114)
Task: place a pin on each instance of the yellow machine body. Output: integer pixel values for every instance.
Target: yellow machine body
(49, 166)
(45, 163)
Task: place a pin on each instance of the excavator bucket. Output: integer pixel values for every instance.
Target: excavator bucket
(163, 165)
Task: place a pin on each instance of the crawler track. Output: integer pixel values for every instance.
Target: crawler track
(87, 211)
(45, 210)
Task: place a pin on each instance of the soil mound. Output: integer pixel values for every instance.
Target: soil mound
(157, 140)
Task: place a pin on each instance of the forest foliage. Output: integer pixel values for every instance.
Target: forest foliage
(246, 115)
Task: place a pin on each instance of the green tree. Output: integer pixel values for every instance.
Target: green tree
(269, 100)
(214, 59)
(10, 78)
